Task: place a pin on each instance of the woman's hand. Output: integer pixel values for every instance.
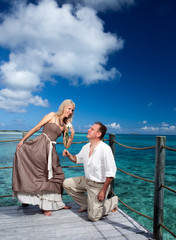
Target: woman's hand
(68, 138)
(19, 144)
(70, 127)
(72, 130)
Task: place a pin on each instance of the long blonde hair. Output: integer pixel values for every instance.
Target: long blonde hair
(64, 104)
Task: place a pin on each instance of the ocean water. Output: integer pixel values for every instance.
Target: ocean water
(134, 192)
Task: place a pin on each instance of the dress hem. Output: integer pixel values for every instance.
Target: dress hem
(45, 201)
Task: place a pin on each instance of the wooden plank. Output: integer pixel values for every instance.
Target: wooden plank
(20, 223)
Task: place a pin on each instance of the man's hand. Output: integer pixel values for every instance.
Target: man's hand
(65, 153)
(101, 195)
(69, 155)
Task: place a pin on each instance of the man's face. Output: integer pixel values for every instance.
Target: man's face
(93, 132)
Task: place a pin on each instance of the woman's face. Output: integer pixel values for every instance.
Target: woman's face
(68, 110)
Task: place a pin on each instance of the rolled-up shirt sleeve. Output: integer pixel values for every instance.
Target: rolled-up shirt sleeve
(110, 165)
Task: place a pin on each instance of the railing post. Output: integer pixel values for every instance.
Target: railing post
(112, 145)
(159, 191)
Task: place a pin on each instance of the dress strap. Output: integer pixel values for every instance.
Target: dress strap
(50, 169)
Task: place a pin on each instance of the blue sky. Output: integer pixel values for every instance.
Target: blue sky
(114, 58)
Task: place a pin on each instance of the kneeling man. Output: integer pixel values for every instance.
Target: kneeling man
(100, 170)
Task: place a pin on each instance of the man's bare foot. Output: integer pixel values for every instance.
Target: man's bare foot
(114, 210)
(82, 210)
(67, 207)
(47, 213)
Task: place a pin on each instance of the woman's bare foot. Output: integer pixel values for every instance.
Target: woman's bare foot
(47, 213)
(67, 207)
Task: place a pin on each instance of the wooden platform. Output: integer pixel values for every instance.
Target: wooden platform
(19, 223)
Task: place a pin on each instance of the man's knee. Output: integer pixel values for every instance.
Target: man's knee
(66, 183)
(95, 214)
(72, 183)
(94, 218)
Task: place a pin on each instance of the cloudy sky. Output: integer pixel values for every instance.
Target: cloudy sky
(114, 58)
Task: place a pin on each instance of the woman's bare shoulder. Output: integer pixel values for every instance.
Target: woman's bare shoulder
(52, 114)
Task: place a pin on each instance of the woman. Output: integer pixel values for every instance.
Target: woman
(37, 174)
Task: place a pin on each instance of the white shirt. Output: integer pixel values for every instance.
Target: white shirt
(100, 164)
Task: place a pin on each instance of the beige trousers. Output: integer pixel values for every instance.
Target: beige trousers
(78, 186)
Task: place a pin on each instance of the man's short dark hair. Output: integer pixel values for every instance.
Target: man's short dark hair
(102, 129)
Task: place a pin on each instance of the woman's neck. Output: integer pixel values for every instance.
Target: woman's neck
(61, 119)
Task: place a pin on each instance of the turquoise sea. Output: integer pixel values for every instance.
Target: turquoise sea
(134, 192)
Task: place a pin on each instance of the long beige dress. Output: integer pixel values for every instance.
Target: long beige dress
(30, 182)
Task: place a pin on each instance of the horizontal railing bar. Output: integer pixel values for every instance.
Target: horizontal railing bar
(168, 188)
(77, 142)
(133, 209)
(168, 230)
(5, 167)
(169, 148)
(11, 140)
(147, 180)
(62, 167)
(6, 196)
(144, 148)
(57, 142)
(31, 140)
(72, 166)
(11, 195)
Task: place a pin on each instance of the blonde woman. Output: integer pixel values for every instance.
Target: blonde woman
(37, 174)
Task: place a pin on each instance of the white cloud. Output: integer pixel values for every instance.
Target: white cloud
(164, 124)
(18, 100)
(169, 128)
(144, 122)
(2, 124)
(164, 128)
(146, 128)
(113, 126)
(47, 41)
(102, 5)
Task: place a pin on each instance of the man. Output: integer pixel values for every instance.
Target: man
(100, 170)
